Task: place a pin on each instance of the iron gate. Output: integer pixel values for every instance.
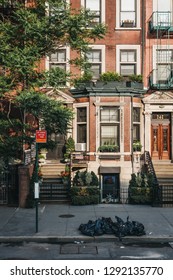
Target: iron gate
(9, 188)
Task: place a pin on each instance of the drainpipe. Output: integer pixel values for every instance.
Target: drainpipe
(132, 157)
(143, 36)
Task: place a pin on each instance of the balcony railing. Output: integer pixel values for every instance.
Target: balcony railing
(158, 82)
(161, 21)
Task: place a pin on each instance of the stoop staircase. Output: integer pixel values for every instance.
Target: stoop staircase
(163, 180)
(52, 188)
(164, 172)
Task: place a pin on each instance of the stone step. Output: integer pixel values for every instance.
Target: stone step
(52, 170)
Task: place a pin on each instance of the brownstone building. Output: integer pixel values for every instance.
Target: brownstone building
(138, 43)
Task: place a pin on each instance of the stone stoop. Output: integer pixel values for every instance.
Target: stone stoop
(164, 172)
(52, 170)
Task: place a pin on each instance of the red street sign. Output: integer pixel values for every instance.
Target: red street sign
(41, 136)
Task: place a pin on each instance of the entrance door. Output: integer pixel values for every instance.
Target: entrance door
(56, 153)
(110, 190)
(160, 136)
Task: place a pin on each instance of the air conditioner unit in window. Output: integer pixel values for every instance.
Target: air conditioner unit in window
(80, 147)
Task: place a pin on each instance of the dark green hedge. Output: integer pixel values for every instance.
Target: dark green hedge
(140, 195)
(84, 195)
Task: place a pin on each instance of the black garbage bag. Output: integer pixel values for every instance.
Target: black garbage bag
(92, 228)
(107, 226)
(128, 228)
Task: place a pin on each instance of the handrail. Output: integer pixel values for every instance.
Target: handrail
(150, 167)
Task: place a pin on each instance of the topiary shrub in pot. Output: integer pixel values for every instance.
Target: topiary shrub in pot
(85, 189)
(141, 188)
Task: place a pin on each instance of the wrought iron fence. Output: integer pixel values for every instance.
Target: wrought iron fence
(163, 196)
(9, 188)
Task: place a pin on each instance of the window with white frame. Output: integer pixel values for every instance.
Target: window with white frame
(164, 65)
(136, 124)
(58, 59)
(94, 58)
(82, 125)
(128, 61)
(109, 125)
(162, 5)
(128, 13)
(97, 8)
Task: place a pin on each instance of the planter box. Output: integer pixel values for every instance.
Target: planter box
(109, 157)
(128, 24)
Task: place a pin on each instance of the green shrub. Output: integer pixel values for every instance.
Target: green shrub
(135, 78)
(141, 188)
(85, 200)
(84, 195)
(110, 77)
(86, 77)
(84, 178)
(140, 195)
(108, 148)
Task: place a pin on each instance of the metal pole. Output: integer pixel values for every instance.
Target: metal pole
(36, 179)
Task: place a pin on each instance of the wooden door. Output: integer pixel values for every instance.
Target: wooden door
(160, 133)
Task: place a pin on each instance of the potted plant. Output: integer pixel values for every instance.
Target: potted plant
(65, 175)
(43, 153)
(141, 188)
(85, 188)
(69, 148)
(137, 146)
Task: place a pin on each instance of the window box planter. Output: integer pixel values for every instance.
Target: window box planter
(128, 24)
(109, 156)
(108, 149)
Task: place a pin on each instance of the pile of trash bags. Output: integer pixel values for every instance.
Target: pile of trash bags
(107, 226)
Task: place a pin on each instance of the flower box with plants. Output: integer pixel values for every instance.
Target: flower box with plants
(85, 189)
(141, 188)
(110, 79)
(108, 149)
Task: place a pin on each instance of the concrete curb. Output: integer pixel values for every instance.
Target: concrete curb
(84, 239)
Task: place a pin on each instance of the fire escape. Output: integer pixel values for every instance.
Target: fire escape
(161, 28)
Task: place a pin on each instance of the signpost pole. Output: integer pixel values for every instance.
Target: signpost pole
(36, 185)
(41, 137)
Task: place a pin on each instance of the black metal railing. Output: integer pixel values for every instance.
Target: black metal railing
(150, 168)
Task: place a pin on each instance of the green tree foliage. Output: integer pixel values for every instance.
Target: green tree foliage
(29, 33)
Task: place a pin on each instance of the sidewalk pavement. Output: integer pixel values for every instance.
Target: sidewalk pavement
(60, 222)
